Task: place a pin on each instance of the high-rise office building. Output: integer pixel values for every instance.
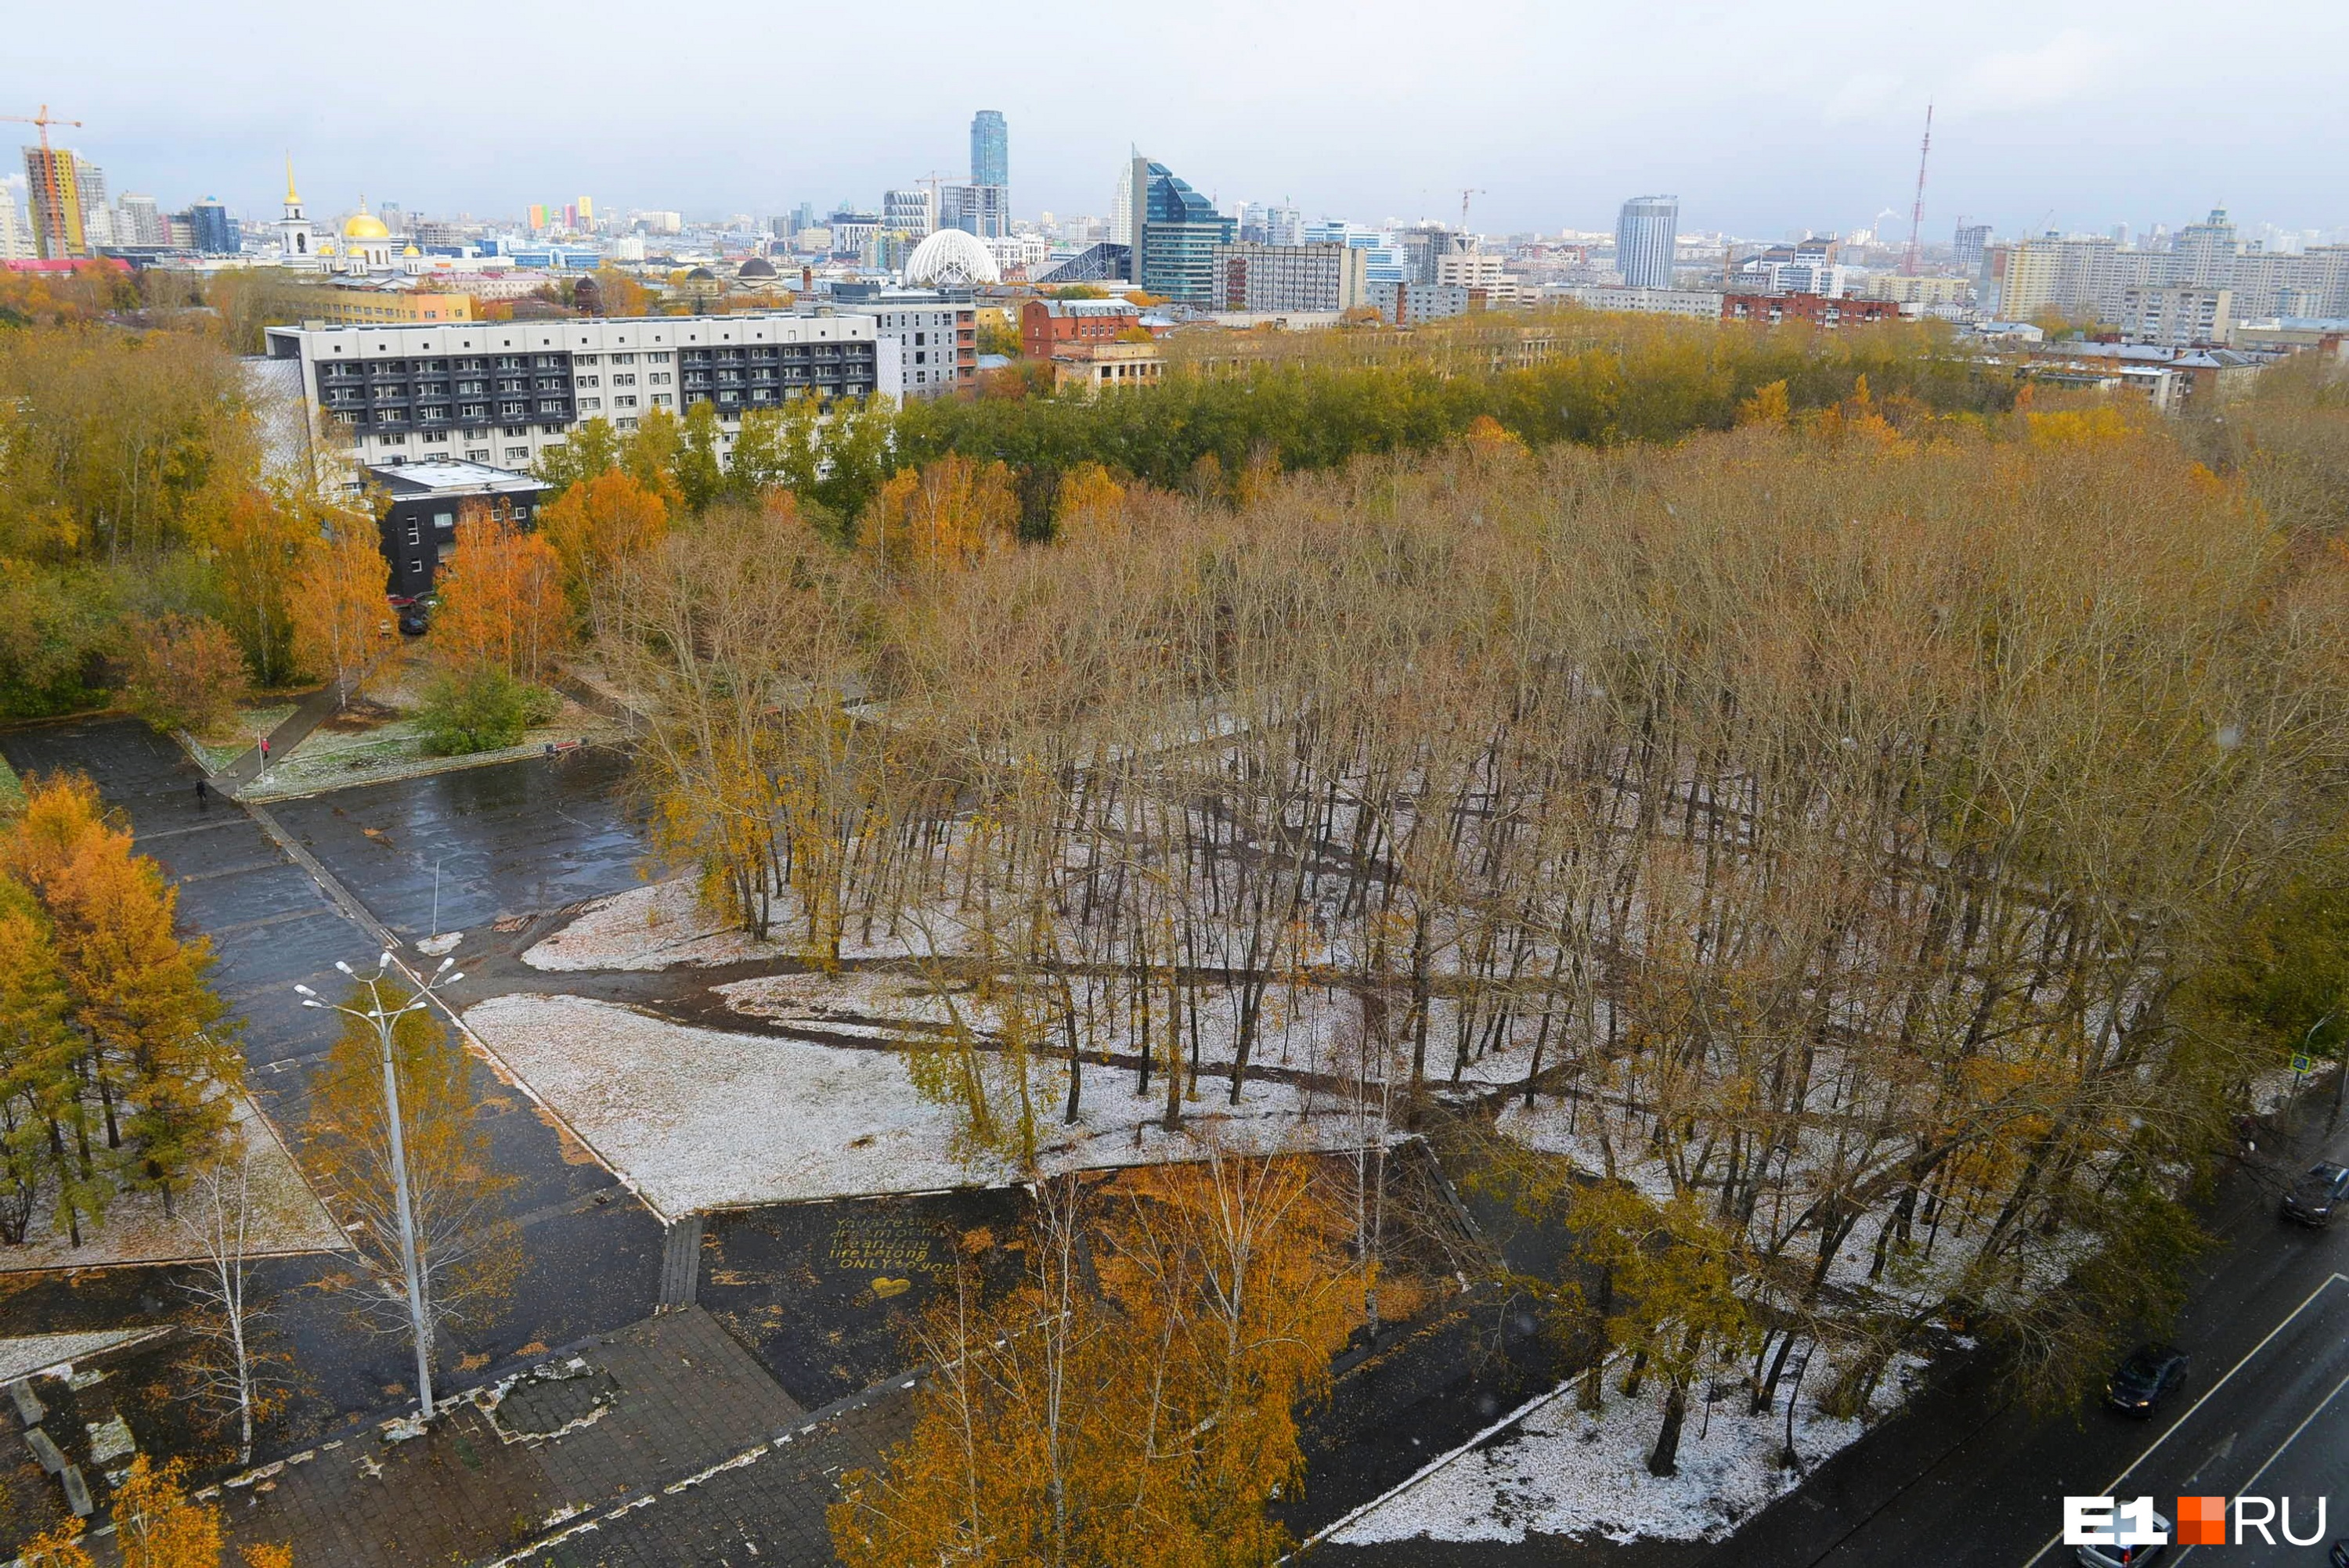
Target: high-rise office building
(1644, 240)
(66, 193)
(854, 233)
(213, 233)
(1174, 232)
(1972, 242)
(984, 210)
(990, 149)
(983, 207)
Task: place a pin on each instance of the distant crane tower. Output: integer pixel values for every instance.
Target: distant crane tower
(1917, 213)
(1464, 194)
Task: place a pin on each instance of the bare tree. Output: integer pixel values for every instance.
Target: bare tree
(233, 1369)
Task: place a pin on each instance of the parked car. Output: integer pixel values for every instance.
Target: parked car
(2313, 1197)
(2151, 1371)
(412, 622)
(2123, 1556)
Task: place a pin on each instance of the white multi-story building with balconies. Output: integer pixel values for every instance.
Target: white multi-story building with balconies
(504, 392)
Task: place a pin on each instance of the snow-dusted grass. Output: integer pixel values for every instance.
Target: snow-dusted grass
(55, 1354)
(701, 1119)
(660, 926)
(335, 760)
(1301, 1027)
(1560, 1471)
(237, 733)
(1553, 1125)
(1936, 1263)
(287, 1218)
(663, 927)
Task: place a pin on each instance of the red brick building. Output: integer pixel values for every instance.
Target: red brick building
(1769, 309)
(1047, 325)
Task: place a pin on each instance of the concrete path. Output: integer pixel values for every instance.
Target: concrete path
(308, 714)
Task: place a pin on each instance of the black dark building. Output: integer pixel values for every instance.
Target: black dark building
(429, 498)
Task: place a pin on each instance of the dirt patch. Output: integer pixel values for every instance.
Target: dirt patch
(359, 713)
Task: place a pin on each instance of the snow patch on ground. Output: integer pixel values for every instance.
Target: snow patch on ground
(287, 1217)
(1560, 1471)
(1570, 1131)
(54, 1353)
(660, 926)
(700, 1119)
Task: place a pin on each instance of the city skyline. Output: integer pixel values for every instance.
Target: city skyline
(1759, 133)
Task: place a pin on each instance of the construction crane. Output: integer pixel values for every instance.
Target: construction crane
(1464, 194)
(44, 119)
(51, 199)
(935, 178)
(1917, 213)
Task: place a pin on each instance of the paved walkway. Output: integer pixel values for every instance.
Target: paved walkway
(612, 1426)
(308, 714)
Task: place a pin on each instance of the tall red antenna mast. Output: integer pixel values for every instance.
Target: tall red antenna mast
(1917, 213)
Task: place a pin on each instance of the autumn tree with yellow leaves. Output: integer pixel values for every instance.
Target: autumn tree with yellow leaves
(181, 672)
(598, 522)
(117, 1060)
(336, 600)
(941, 516)
(1134, 1400)
(501, 601)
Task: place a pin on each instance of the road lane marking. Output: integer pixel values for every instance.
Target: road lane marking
(2270, 1462)
(2112, 1487)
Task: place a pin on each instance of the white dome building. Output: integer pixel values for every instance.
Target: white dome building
(951, 258)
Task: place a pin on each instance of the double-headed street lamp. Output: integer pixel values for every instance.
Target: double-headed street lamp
(384, 1019)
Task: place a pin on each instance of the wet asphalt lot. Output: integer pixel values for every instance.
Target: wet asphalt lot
(593, 1254)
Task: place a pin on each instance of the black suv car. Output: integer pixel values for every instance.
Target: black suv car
(2150, 1371)
(2314, 1196)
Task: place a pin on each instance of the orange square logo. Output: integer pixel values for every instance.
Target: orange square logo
(2202, 1521)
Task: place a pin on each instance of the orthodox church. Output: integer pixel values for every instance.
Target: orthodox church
(366, 248)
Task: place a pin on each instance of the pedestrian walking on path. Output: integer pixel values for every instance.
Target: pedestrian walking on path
(203, 796)
(264, 755)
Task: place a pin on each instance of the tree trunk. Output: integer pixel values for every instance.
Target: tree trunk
(1665, 1458)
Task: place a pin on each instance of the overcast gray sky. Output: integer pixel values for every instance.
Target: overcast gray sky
(1762, 119)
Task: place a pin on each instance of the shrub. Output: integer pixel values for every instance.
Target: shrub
(181, 672)
(480, 709)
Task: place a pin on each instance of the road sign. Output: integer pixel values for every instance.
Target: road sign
(2302, 1064)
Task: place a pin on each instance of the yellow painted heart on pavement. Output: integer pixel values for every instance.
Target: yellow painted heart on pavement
(886, 1288)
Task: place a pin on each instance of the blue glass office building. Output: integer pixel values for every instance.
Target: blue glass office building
(1177, 231)
(215, 235)
(990, 149)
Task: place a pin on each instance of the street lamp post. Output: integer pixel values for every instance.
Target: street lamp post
(384, 1022)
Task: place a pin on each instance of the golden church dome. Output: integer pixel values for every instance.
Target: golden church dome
(365, 225)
